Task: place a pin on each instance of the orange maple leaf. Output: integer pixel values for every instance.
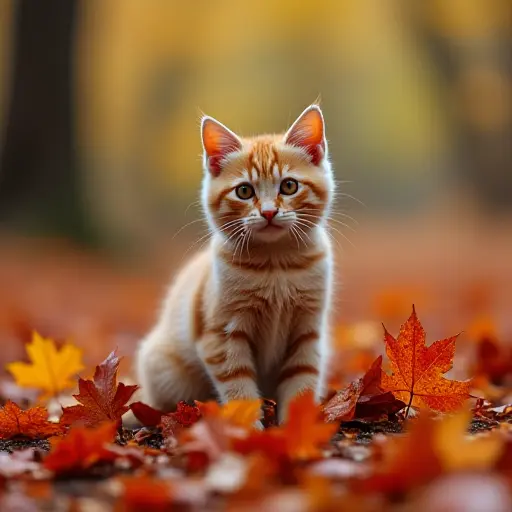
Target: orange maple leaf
(31, 423)
(102, 399)
(300, 438)
(417, 370)
(81, 448)
(305, 430)
(241, 413)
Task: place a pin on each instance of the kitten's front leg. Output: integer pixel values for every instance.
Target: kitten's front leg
(304, 362)
(228, 360)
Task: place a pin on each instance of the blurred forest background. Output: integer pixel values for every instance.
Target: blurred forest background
(100, 103)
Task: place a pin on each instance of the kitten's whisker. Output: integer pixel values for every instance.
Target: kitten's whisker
(302, 231)
(333, 220)
(186, 226)
(239, 240)
(299, 235)
(332, 212)
(343, 235)
(344, 194)
(236, 232)
(207, 236)
(249, 235)
(292, 231)
(193, 203)
(230, 224)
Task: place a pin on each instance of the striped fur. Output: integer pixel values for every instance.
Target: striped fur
(248, 316)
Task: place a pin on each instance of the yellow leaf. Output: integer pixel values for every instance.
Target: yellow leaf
(50, 370)
(243, 413)
(457, 450)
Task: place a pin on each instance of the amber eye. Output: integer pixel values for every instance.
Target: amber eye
(244, 191)
(289, 187)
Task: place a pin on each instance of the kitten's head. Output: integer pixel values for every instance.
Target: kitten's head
(268, 187)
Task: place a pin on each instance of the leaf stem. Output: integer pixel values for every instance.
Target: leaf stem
(409, 406)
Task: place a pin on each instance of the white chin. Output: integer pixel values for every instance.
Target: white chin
(270, 233)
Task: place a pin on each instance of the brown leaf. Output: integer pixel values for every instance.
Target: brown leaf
(101, 400)
(31, 423)
(363, 398)
(493, 360)
(417, 370)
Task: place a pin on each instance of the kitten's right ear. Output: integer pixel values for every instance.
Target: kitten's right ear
(218, 142)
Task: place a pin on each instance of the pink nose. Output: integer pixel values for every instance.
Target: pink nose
(269, 215)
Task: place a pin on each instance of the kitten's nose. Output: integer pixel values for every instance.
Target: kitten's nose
(269, 214)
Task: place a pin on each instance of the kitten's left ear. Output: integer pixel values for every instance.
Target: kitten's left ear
(308, 132)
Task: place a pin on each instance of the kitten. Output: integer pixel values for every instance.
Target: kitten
(248, 317)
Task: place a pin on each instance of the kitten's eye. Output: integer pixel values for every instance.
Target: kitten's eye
(289, 187)
(244, 191)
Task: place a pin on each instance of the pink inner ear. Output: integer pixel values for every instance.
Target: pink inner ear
(214, 164)
(317, 153)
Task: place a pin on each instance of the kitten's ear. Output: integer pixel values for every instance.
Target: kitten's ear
(308, 132)
(218, 142)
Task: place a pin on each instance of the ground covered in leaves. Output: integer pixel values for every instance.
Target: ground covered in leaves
(401, 436)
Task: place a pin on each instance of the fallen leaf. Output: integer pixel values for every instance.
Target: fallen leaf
(81, 449)
(172, 423)
(31, 423)
(146, 414)
(493, 360)
(241, 413)
(459, 450)
(406, 462)
(51, 370)
(432, 447)
(363, 398)
(186, 414)
(102, 399)
(145, 493)
(417, 370)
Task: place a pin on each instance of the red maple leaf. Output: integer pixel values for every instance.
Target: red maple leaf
(417, 370)
(33, 423)
(363, 399)
(184, 416)
(102, 399)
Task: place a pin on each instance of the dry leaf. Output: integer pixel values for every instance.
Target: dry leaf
(363, 398)
(51, 370)
(31, 423)
(417, 370)
(102, 399)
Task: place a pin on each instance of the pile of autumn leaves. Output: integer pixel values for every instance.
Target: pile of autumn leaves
(205, 439)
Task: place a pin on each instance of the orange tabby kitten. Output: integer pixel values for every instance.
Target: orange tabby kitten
(248, 317)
